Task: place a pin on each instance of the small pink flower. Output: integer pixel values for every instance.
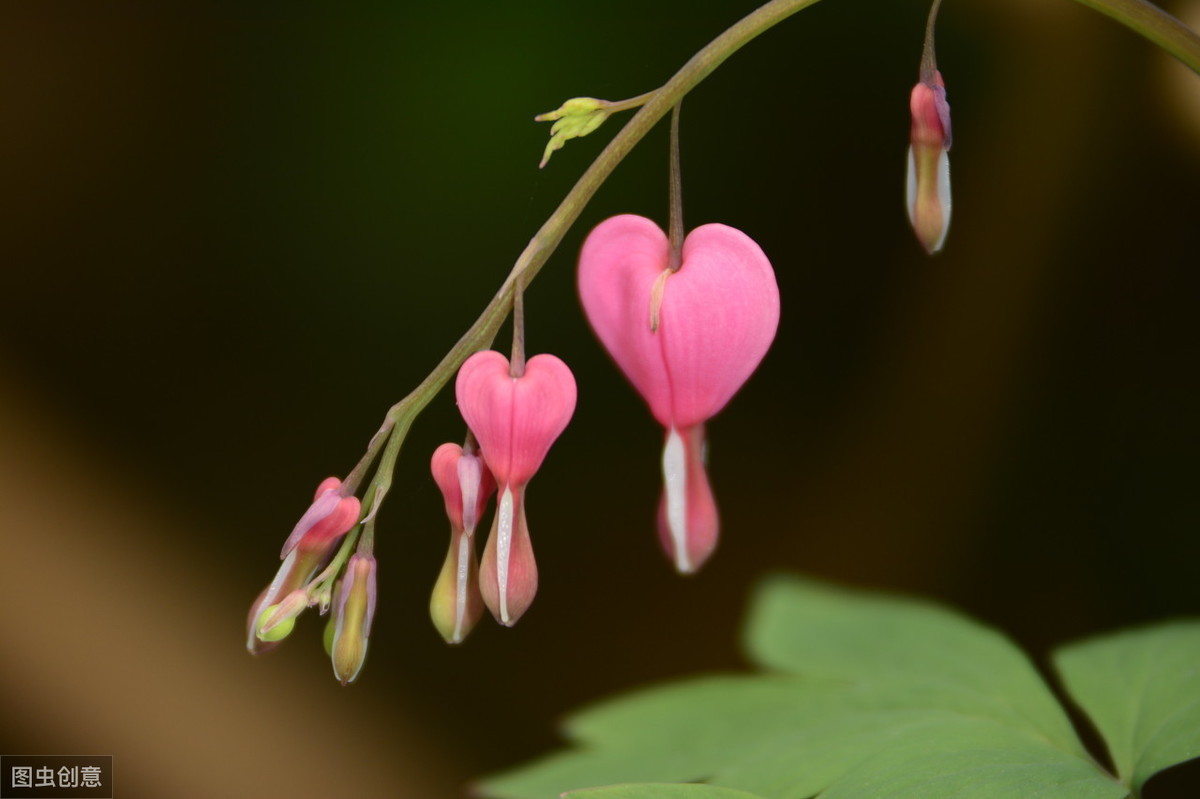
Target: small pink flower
(928, 186)
(515, 420)
(466, 485)
(306, 550)
(687, 340)
(331, 516)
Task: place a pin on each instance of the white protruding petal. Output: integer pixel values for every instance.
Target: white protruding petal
(470, 475)
(910, 188)
(674, 466)
(504, 531)
(460, 589)
(943, 182)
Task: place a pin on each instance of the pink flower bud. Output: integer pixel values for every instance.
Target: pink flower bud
(329, 517)
(928, 186)
(354, 610)
(687, 340)
(466, 485)
(515, 420)
(306, 550)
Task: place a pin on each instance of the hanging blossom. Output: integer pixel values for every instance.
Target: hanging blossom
(353, 612)
(687, 340)
(515, 419)
(928, 185)
(466, 485)
(308, 548)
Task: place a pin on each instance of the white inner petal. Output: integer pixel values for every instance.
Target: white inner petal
(674, 466)
(943, 182)
(911, 188)
(460, 592)
(504, 531)
(469, 476)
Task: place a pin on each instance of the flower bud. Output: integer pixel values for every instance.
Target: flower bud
(308, 548)
(354, 609)
(330, 516)
(466, 484)
(928, 185)
(577, 117)
(276, 621)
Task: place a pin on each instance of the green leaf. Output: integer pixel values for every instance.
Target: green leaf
(1141, 688)
(915, 651)
(660, 790)
(870, 696)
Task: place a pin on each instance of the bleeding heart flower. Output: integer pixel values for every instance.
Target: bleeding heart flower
(929, 163)
(306, 550)
(515, 420)
(466, 485)
(687, 340)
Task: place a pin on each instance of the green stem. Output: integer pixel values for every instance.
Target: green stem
(675, 211)
(1154, 24)
(632, 102)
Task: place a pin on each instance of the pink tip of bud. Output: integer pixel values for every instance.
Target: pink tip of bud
(465, 483)
(330, 516)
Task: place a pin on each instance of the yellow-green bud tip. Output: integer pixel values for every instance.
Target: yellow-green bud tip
(577, 117)
(276, 632)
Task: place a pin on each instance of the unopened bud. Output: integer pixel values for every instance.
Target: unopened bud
(276, 621)
(456, 603)
(928, 187)
(577, 117)
(354, 609)
(328, 518)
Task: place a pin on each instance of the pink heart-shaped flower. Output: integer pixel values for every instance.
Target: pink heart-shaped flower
(717, 314)
(515, 419)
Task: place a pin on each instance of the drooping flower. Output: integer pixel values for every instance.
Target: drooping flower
(354, 610)
(687, 340)
(466, 485)
(515, 420)
(928, 185)
(306, 550)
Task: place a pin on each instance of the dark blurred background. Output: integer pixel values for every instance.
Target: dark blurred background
(234, 235)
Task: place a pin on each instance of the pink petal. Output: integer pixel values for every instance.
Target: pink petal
(515, 419)
(330, 516)
(618, 266)
(508, 576)
(718, 318)
(457, 474)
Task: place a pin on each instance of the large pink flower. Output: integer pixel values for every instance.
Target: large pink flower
(515, 420)
(687, 340)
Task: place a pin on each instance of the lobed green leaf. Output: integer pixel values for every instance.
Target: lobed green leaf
(1141, 688)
